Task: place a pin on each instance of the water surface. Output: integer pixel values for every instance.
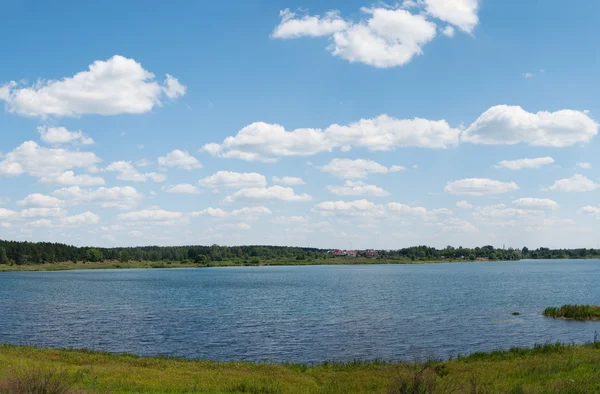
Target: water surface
(300, 313)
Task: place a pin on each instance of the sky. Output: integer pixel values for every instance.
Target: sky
(330, 124)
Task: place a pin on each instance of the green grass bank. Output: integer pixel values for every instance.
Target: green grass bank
(574, 312)
(543, 369)
(67, 266)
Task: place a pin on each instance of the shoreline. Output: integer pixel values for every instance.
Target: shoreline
(550, 368)
(114, 265)
(80, 266)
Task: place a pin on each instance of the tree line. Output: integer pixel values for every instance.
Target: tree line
(13, 252)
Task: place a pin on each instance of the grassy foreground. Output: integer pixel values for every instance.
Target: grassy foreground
(575, 312)
(543, 369)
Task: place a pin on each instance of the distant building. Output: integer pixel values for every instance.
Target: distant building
(351, 253)
(338, 252)
(370, 253)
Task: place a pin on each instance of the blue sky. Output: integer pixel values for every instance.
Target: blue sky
(256, 92)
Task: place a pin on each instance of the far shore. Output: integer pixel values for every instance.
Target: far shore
(70, 266)
(115, 265)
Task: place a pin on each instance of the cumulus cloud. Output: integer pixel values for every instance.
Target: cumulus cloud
(127, 172)
(460, 13)
(479, 187)
(42, 213)
(358, 188)
(83, 219)
(116, 86)
(536, 203)
(590, 210)
(183, 188)
(290, 220)
(387, 38)
(125, 197)
(179, 159)
(267, 142)
(457, 225)
(31, 159)
(68, 178)
(525, 163)
(247, 212)
(577, 183)
(234, 180)
(270, 193)
(288, 181)
(585, 166)
(292, 26)
(359, 168)
(41, 200)
(509, 125)
(150, 215)
(464, 205)
(60, 135)
(367, 209)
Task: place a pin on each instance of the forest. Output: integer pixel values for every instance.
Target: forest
(20, 253)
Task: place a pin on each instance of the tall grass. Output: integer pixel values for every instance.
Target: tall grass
(36, 380)
(576, 312)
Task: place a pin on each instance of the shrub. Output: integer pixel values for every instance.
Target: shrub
(36, 381)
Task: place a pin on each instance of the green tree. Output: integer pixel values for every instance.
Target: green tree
(3, 256)
(94, 255)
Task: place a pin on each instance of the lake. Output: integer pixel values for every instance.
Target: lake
(300, 313)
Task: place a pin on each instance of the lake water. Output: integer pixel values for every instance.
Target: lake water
(300, 313)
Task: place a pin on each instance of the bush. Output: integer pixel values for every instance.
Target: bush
(36, 381)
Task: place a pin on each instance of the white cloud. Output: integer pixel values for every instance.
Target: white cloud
(577, 183)
(464, 205)
(358, 188)
(289, 220)
(457, 225)
(288, 181)
(69, 178)
(115, 86)
(359, 168)
(60, 135)
(460, 13)
(173, 88)
(354, 208)
(143, 163)
(536, 203)
(247, 212)
(234, 226)
(388, 38)
(179, 159)
(585, 166)
(509, 125)
(308, 26)
(528, 75)
(183, 188)
(448, 31)
(127, 172)
(525, 163)
(234, 180)
(32, 159)
(86, 218)
(268, 142)
(116, 197)
(590, 210)
(41, 200)
(151, 215)
(479, 187)
(135, 233)
(42, 212)
(270, 193)
(7, 214)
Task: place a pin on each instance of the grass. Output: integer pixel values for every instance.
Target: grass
(67, 266)
(554, 368)
(574, 312)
